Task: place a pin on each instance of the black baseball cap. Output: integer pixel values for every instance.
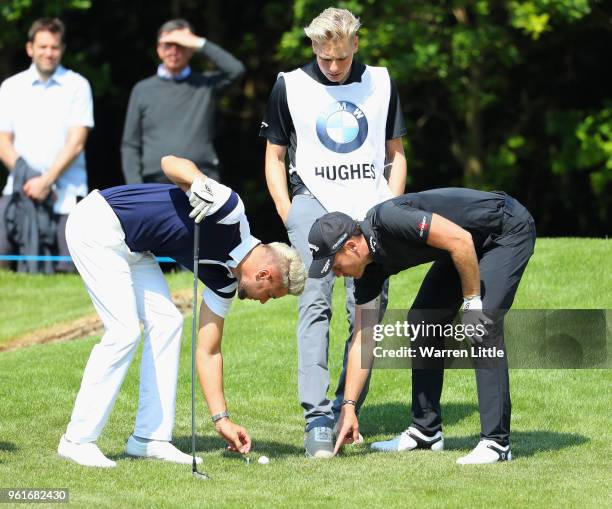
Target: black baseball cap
(327, 236)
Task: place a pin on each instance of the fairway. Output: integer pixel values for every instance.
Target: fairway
(561, 425)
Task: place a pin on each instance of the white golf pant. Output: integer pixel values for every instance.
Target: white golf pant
(126, 288)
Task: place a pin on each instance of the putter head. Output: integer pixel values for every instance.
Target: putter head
(200, 475)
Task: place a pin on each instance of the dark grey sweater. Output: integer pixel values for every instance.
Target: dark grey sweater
(175, 117)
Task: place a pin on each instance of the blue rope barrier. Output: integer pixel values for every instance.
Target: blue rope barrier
(42, 258)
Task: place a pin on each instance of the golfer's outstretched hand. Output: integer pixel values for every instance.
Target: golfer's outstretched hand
(348, 428)
(238, 440)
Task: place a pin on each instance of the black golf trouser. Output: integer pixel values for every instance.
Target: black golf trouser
(502, 261)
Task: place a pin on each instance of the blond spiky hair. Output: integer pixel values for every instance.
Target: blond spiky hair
(293, 272)
(333, 24)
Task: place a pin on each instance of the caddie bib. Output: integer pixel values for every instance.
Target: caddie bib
(341, 137)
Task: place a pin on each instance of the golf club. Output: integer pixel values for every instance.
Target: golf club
(194, 324)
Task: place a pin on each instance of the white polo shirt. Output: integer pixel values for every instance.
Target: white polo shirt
(39, 114)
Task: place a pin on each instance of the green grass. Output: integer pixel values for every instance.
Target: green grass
(33, 301)
(561, 418)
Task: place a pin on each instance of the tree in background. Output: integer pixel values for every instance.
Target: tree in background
(12, 15)
(497, 95)
(112, 43)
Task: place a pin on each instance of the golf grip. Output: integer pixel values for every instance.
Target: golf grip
(194, 323)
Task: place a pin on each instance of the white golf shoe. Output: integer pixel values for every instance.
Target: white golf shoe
(486, 452)
(158, 449)
(409, 440)
(88, 455)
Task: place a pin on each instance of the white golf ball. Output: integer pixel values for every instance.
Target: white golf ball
(263, 460)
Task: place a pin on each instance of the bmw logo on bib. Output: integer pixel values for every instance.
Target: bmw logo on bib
(342, 127)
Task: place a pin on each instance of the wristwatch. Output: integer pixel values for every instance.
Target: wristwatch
(220, 415)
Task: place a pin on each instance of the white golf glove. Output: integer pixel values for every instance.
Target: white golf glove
(202, 197)
(473, 316)
(474, 302)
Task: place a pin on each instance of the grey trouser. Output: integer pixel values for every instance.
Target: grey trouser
(7, 247)
(315, 311)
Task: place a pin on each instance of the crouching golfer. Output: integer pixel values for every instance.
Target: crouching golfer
(113, 237)
(480, 243)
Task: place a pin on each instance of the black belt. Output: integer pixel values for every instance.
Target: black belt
(301, 190)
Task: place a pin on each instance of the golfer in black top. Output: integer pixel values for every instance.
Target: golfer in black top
(480, 243)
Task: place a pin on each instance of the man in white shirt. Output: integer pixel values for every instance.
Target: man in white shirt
(46, 113)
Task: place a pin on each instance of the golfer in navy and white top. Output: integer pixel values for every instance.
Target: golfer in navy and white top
(114, 236)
